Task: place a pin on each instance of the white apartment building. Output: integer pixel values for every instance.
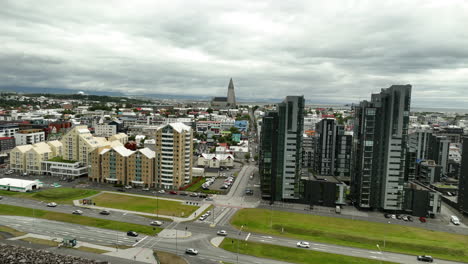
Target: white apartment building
(29, 136)
(105, 130)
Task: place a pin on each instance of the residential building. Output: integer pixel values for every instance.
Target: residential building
(215, 161)
(8, 130)
(419, 142)
(463, 179)
(439, 151)
(29, 136)
(428, 172)
(29, 158)
(380, 140)
(174, 143)
(281, 150)
(105, 130)
(308, 151)
(7, 143)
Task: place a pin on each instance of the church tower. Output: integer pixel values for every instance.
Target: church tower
(231, 96)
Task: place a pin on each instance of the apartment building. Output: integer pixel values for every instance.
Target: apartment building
(380, 139)
(7, 143)
(8, 130)
(29, 136)
(281, 150)
(174, 143)
(28, 158)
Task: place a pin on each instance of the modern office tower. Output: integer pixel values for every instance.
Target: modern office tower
(174, 155)
(419, 142)
(380, 139)
(326, 133)
(438, 151)
(463, 179)
(281, 150)
(343, 154)
(308, 151)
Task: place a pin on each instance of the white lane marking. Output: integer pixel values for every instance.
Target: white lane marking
(247, 238)
(139, 241)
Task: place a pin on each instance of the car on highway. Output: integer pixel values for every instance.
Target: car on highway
(425, 258)
(145, 189)
(203, 217)
(183, 193)
(303, 244)
(132, 233)
(422, 219)
(77, 212)
(221, 233)
(191, 251)
(156, 223)
(52, 204)
(128, 187)
(105, 212)
(249, 192)
(173, 192)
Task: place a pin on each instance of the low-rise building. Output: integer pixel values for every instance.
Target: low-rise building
(63, 168)
(18, 185)
(28, 158)
(216, 160)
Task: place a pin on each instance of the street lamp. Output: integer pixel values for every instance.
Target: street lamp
(380, 253)
(238, 239)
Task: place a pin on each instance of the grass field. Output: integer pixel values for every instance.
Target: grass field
(196, 186)
(58, 195)
(169, 258)
(92, 250)
(78, 219)
(41, 241)
(354, 233)
(293, 255)
(11, 231)
(145, 205)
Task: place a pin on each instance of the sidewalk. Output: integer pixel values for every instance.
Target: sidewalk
(191, 217)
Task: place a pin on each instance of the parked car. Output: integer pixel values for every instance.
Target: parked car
(9, 172)
(224, 187)
(202, 195)
(121, 190)
(221, 233)
(128, 187)
(387, 215)
(77, 212)
(156, 223)
(303, 244)
(105, 212)
(172, 192)
(52, 204)
(146, 189)
(183, 193)
(194, 195)
(161, 191)
(132, 233)
(191, 251)
(405, 218)
(208, 199)
(410, 218)
(425, 258)
(399, 217)
(422, 219)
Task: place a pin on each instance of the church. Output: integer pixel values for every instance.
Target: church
(226, 102)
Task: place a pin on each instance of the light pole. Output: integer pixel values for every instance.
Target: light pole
(176, 242)
(380, 253)
(238, 239)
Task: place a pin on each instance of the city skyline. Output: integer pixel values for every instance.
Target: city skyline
(334, 52)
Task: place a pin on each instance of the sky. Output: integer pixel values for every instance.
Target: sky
(329, 51)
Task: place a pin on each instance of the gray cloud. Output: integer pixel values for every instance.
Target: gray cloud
(336, 51)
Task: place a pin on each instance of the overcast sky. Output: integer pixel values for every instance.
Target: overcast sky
(334, 51)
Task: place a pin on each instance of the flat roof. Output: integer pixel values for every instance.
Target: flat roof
(16, 182)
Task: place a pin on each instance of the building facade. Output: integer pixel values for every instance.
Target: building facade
(380, 139)
(281, 150)
(463, 179)
(29, 136)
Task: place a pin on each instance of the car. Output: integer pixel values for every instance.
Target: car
(25, 174)
(145, 189)
(221, 233)
(224, 187)
(161, 191)
(387, 215)
(202, 195)
(52, 204)
(203, 217)
(405, 218)
(128, 187)
(208, 213)
(105, 212)
(249, 192)
(132, 233)
(393, 216)
(191, 251)
(183, 193)
(454, 220)
(121, 190)
(303, 244)
(422, 219)
(77, 212)
(9, 172)
(410, 218)
(194, 195)
(399, 217)
(208, 199)
(173, 192)
(425, 258)
(156, 223)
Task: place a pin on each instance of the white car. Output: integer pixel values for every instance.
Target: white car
(303, 244)
(161, 191)
(9, 172)
(77, 212)
(221, 233)
(191, 251)
(128, 187)
(52, 204)
(156, 223)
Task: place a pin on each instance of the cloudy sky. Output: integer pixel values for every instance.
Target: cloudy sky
(329, 51)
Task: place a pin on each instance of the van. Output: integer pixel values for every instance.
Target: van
(338, 209)
(454, 220)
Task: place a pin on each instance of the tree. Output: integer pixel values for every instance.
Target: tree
(256, 157)
(234, 130)
(247, 156)
(209, 111)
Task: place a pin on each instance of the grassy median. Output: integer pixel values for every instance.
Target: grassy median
(354, 233)
(145, 205)
(78, 219)
(288, 254)
(58, 195)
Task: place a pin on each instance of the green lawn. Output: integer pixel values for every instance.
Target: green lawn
(354, 233)
(293, 255)
(196, 186)
(145, 205)
(58, 195)
(78, 219)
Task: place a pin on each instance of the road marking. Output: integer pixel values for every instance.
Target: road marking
(247, 238)
(139, 241)
(125, 213)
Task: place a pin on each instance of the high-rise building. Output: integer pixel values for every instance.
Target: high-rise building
(174, 156)
(463, 179)
(380, 140)
(438, 151)
(281, 150)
